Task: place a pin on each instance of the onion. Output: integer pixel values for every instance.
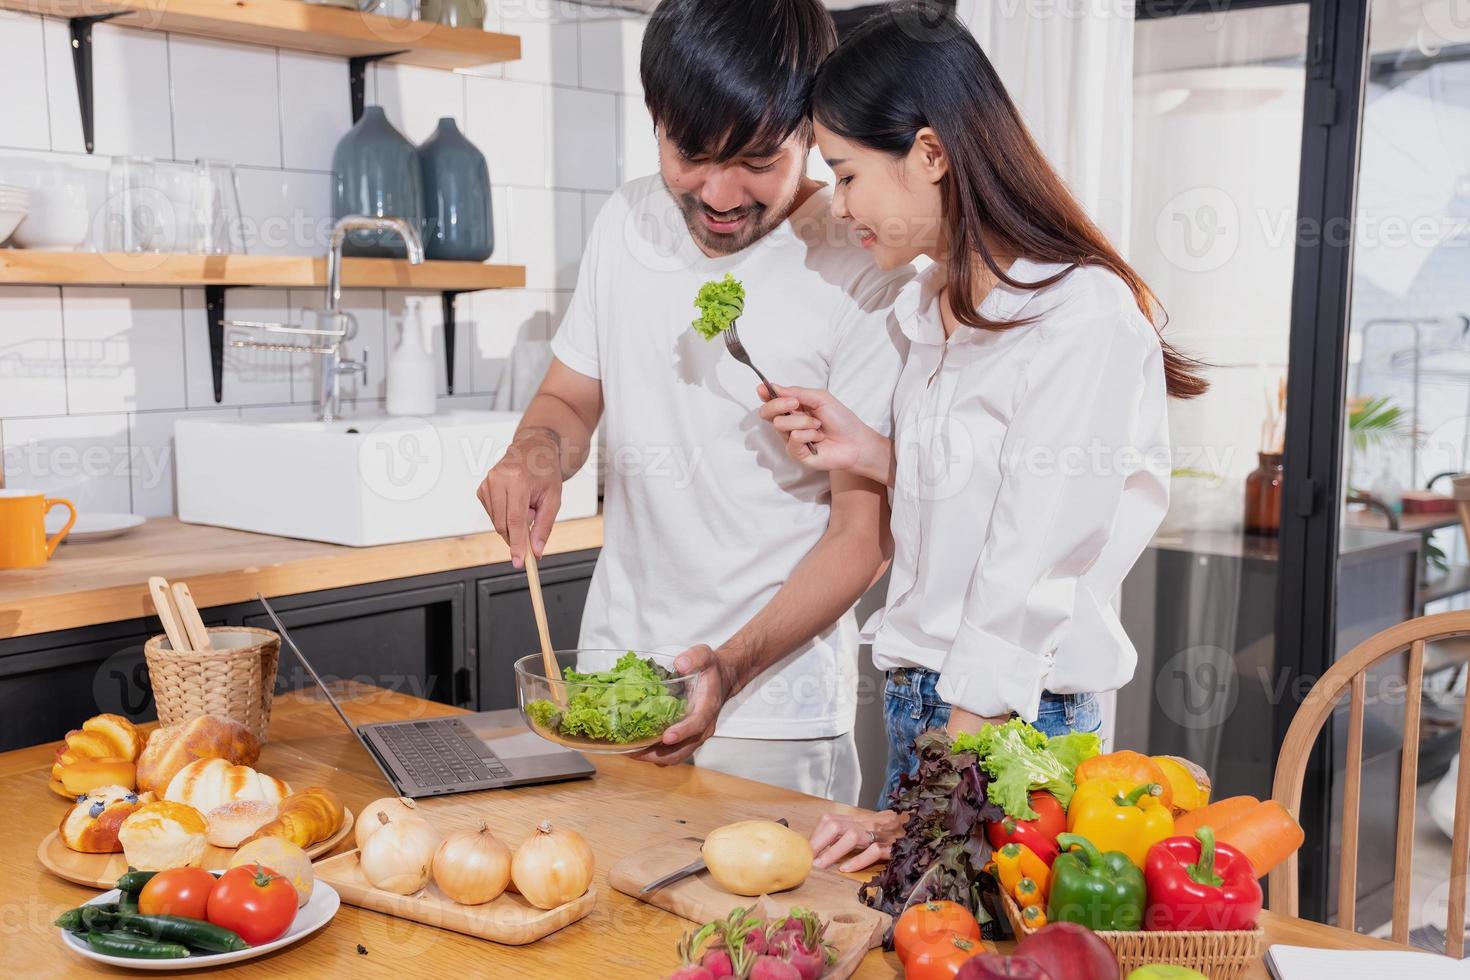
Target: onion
(393, 806)
(398, 857)
(472, 866)
(552, 867)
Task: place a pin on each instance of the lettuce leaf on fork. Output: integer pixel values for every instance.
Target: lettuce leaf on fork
(719, 302)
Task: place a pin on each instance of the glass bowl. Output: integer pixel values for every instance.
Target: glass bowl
(603, 709)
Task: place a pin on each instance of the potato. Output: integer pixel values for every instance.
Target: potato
(757, 857)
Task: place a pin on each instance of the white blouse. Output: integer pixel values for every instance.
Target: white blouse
(1033, 468)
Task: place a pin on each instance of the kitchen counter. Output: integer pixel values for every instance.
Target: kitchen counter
(88, 583)
(627, 805)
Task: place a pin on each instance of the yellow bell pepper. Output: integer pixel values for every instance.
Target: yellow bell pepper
(1119, 816)
(1016, 861)
(1034, 916)
(1191, 789)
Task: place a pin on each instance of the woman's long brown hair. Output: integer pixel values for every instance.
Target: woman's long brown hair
(914, 66)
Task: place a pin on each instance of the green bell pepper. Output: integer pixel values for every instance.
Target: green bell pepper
(1104, 892)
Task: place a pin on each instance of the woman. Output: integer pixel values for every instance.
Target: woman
(1030, 459)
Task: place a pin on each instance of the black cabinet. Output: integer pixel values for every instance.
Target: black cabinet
(449, 637)
(411, 641)
(507, 627)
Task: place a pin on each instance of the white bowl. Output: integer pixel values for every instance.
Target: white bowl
(10, 219)
(55, 221)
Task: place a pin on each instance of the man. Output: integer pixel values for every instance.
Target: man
(712, 535)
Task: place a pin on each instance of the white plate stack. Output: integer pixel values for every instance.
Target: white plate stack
(15, 203)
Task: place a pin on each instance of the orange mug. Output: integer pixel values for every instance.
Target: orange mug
(23, 541)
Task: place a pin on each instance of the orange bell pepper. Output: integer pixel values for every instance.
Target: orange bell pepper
(1126, 766)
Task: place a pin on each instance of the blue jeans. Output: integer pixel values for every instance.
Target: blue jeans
(910, 708)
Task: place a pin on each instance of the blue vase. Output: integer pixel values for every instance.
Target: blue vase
(457, 220)
(376, 172)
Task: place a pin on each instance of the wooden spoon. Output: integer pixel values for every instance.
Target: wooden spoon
(163, 602)
(538, 606)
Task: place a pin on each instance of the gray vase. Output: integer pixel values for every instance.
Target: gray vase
(457, 223)
(376, 173)
(455, 13)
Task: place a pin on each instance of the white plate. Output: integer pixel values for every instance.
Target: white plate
(309, 918)
(93, 527)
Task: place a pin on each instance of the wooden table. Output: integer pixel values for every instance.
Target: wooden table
(625, 807)
(87, 583)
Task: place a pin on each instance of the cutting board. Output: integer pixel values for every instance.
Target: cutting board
(103, 870)
(699, 899)
(509, 919)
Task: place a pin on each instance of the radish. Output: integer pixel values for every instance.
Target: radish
(808, 963)
(772, 968)
(716, 962)
(690, 971)
(756, 942)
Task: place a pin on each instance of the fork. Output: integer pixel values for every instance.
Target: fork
(737, 351)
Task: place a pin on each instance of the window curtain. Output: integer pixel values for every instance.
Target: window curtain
(1068, 64)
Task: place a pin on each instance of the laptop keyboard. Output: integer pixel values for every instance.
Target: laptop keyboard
(442, 752)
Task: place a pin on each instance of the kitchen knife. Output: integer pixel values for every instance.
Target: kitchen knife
(692, 868)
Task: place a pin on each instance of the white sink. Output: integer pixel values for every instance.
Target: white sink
(367, 481)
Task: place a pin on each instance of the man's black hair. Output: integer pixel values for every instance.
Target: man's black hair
(728, 78)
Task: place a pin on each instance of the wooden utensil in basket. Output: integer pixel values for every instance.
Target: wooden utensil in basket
(225, 671)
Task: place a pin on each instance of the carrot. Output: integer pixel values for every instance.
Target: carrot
(1218, 815)
(1267, 835)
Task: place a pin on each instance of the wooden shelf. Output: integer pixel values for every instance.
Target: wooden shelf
(298, 26)
(19, 266)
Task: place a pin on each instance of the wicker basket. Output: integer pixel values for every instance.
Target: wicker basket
(1218, 955)
(236, 680)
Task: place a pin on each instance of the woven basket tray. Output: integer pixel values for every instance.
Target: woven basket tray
(1218, 955)
(234, 681)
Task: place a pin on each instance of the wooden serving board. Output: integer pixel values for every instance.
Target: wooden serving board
(699, 899)
(103, 870)
(509, 919)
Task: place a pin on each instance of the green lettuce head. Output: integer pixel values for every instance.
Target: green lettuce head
(719, 302)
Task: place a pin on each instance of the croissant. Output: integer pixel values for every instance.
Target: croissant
(100, 753)
(305, 818)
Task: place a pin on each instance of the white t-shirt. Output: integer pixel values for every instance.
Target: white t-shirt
(705, 515)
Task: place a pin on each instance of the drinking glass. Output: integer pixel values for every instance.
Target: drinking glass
(139, 213)
(214, 210)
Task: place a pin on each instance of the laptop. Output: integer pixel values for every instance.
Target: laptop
(455, 754)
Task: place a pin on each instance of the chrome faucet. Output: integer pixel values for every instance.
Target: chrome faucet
(341, 327)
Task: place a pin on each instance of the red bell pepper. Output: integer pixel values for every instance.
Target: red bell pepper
(1196, 884)
(1040, 834)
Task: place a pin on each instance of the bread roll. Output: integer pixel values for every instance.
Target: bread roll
(282, 857)
(163, 835)
(109, 737)
(306, 817)
(207, 783)
(91, 825)
(206, 737)
(85, 775)
(232, 822)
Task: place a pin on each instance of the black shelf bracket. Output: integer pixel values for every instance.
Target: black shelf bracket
(447, 298)
(214, 308)
(81, 63)
(357, 79)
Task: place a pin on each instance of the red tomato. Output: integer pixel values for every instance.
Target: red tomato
(254, 902)
(177, 891)
(928, 921)
(940, 957)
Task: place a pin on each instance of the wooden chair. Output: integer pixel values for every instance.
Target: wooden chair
(1350, 674)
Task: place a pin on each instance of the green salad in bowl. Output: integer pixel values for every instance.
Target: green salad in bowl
(624, 708)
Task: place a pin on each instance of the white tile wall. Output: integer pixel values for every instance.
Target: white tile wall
(92, 380)
(25, 122)
(214, 82)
